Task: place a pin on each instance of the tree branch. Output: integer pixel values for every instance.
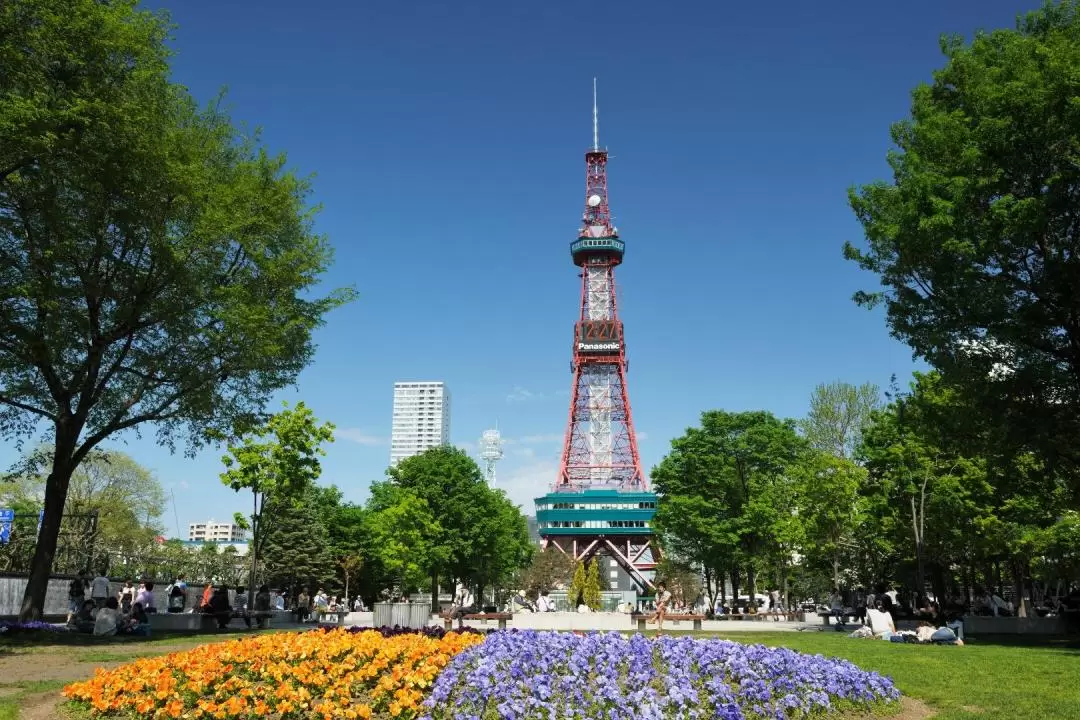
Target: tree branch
(4, 399)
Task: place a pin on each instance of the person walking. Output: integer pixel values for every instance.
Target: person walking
(663, 599)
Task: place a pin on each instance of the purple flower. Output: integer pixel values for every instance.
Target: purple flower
(522, 675)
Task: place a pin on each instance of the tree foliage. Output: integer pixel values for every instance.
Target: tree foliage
(156, 266)
(591, 592)
(278, 462)
(575, 596)
(726, 489)
(975, 238)
(839, 412)
(476, 534)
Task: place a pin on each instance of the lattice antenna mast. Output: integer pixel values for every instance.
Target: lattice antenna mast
(595, 120)
(491, 452)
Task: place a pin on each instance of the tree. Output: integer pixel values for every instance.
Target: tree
(722, 485)
(278, 462)
(350, 565)
(479, 535)
(295, 550)
(576, 594)
(974, 240)
(126, 499)
(838, 413)
(591, 592)
(403, 535)
(158, 266)
(828, 488)
(549, 569)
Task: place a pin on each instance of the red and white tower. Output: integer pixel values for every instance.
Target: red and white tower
(600, 448)
(600, 501)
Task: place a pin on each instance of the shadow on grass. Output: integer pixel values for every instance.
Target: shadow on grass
(30, 641)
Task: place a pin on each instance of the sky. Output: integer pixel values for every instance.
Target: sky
(446, 142)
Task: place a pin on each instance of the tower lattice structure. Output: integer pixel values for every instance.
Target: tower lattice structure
(600, 502)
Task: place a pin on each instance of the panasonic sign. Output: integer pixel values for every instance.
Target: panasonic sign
(589, 347)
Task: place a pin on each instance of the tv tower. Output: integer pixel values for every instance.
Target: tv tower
(491, 452)
(600, 501)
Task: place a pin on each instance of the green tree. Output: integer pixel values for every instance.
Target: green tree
(591, 592)
(158, 266)
(829, 502)
(126, 498)
(729, 477)
(838, 413)
(973, 240)
(576, 594)
(472, 520)
(296, 547)
(403, 535)
(278, 462)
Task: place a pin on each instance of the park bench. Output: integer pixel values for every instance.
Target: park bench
(448, 620)
(640, 618)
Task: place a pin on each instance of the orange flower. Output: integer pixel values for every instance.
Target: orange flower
(288, 675)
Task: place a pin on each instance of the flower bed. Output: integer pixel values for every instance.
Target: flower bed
(34, 626)
(335, 674)
(556, 675)
(392, 673)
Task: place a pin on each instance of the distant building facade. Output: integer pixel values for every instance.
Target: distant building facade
(421, 419)
(219, 532)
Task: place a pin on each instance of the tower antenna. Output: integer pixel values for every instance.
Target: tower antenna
(595, 120)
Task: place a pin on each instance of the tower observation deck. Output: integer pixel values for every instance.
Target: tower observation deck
(600, 502)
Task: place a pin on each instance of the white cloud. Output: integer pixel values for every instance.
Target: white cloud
(520, 394)
(642, 436)
(360, 437)
(525, 483)
(465, 445)
(525, 452)
(183, 485)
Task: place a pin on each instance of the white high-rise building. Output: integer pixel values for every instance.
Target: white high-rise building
(211, 531)
(421, 419)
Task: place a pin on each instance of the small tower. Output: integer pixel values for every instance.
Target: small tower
(491, 452)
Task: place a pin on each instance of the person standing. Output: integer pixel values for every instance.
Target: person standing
(77, 594)
(99, 590)
(127, 597)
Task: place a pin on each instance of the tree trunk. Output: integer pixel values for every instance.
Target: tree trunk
(735, 585)
(56, 488)
(751, 584)
(435, 593)
(254, 547)
(836, 570)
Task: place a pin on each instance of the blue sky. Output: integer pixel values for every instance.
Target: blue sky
(447, 141)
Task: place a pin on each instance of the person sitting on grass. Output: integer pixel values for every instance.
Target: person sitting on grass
(83, 619)
(663, 598)
(136, 622)
(108, 619)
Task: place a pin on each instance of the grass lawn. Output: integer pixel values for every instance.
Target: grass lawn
(984, 680)
(987, 679)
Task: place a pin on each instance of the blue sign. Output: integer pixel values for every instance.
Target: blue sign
(7, 516)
